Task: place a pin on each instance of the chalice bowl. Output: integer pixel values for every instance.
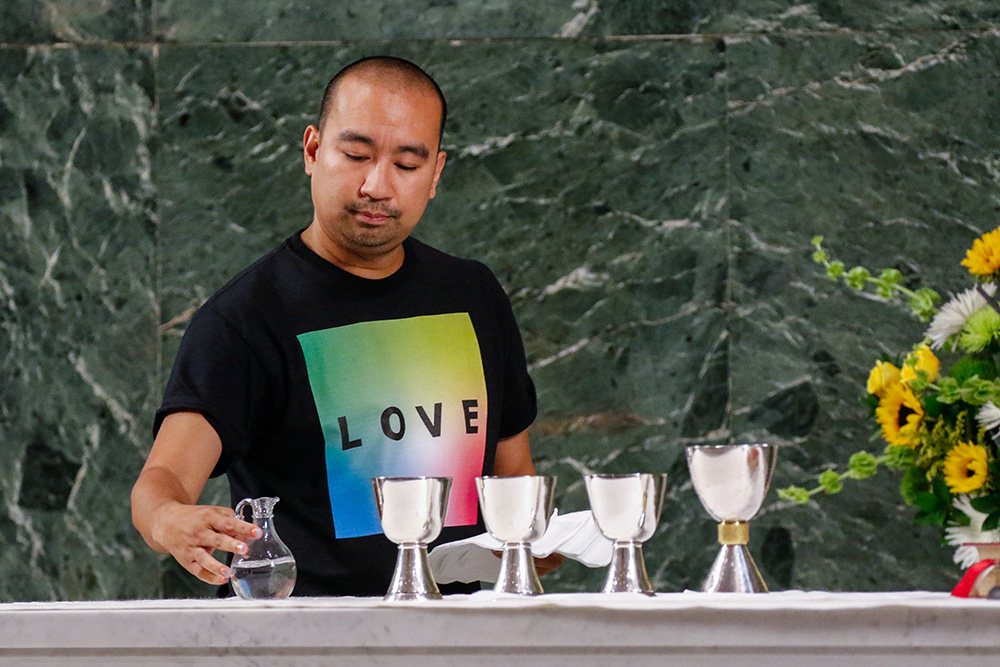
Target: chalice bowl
(731, 482)
(516, 511)
(412, 511)
(626, 509)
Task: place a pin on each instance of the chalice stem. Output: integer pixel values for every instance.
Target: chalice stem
(734, 572)
(517, 571)
(412, 579)
(627, 572)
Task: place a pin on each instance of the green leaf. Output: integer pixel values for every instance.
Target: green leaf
(932, 406)
(992, 522)
(933, 518)
(969, 365)
(927, 502)
(986, 504)
(870, 400)
(942, 491)
(913, 485)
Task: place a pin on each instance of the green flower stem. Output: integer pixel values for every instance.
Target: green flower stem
(862, 465)
(921, 301)
(870, 279)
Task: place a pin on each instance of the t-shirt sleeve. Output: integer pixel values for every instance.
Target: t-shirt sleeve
(216, 374)
(520, 404)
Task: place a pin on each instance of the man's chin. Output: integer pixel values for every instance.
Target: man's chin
(375, 245)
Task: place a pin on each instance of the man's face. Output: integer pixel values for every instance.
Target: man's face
(374, 166)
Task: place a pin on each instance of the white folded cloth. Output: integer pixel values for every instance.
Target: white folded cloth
(574, 535)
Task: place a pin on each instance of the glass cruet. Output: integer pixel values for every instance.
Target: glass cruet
(267, 570)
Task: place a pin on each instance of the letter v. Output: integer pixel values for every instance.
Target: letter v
(433, 427)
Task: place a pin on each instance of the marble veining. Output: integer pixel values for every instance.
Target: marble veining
(643, 177)
(76, 21)
(79, 353)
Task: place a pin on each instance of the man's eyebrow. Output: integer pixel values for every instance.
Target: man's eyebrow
(351, 136)
(419, 150)
(355, 138)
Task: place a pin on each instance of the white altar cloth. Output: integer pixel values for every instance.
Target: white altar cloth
(786, 628)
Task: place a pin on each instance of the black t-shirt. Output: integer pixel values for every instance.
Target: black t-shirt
(317, 380)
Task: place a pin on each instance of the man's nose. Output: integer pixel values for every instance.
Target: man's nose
(376, 184)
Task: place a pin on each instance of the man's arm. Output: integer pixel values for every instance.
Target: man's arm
(513, 457)
(513, 460)
(164, 498)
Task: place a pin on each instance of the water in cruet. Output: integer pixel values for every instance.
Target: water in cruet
(267, 570)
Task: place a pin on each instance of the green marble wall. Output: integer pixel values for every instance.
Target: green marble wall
(644, 177)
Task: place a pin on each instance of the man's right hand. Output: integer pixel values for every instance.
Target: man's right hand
(191, 533)
(164, 498)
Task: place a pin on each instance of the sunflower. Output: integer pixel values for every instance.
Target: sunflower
(921, 359)
(983, 259)
(882, 376)
(899, 413)
(965, 468)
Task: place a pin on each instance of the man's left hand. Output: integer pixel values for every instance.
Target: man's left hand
(543, 565)
(551, 562)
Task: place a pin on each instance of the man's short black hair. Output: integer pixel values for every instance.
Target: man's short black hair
(410, 72)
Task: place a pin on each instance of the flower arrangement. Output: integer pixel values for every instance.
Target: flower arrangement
(939, 426)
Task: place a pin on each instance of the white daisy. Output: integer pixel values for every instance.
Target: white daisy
(956, 536)
(952, 316)
(988, 416)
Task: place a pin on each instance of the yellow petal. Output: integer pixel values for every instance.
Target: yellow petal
(882, 376)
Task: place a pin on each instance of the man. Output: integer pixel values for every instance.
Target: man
(350, 351)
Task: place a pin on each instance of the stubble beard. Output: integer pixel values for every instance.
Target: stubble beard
(370, 240)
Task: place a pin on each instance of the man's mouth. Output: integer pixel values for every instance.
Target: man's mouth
(372, 216)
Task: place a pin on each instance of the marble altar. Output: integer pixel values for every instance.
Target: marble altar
(790, 628)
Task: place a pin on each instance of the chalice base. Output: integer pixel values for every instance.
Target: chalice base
(412, 579)
(517, 571)
(734, 572)
(627, 572)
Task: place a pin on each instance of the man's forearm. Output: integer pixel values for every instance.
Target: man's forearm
(155, 490)
(513, 457)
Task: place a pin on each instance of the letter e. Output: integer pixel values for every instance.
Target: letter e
(471, 414)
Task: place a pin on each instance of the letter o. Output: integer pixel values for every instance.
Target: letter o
(387, 425)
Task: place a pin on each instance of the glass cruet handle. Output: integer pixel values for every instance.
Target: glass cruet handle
(239, 508)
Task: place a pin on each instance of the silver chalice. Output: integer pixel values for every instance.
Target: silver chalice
(626, 509)
(731, 482)
(412, 511)
(516, 511)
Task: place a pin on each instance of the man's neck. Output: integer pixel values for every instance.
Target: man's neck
(372, 268)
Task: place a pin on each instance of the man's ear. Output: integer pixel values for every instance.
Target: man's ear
(310, 147)
(437, 172)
